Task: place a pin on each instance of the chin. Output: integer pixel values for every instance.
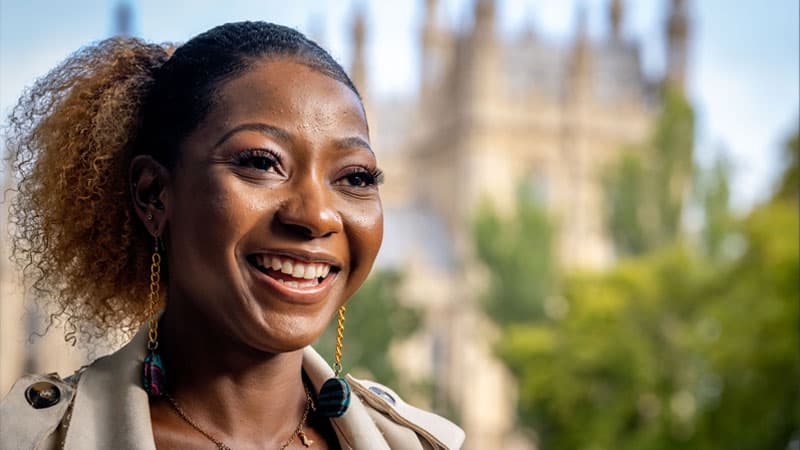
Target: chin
(284, 333)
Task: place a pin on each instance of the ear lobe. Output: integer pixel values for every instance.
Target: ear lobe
(149, 190)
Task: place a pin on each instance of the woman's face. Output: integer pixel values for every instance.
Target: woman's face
(274, 216)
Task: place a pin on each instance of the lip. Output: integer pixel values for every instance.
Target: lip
(300, 296)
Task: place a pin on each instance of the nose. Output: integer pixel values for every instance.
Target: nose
(309, 212)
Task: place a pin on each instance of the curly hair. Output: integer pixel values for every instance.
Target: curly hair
(71, 138)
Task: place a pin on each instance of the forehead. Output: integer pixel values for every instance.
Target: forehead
(288, 94)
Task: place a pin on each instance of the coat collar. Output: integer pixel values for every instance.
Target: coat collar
(111, 409)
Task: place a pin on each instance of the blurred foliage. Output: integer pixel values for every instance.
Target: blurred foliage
(518, 249)
(682, 344)
(645, 189)
(714, 191)
(788, 186)
(625, 188)
(668, 351)
(374, 319)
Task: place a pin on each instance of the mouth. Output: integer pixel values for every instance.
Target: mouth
(295, 278)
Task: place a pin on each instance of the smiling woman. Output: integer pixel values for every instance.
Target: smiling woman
(232, 184)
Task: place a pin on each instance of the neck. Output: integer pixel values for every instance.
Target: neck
(232, 389)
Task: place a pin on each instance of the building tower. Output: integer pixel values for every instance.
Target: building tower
(431, 58)
(577, 98)
(485, 12)
(123, 19)
(483, 58)
(579, 65)
(677, 47)
(358, 66)
(615, 13)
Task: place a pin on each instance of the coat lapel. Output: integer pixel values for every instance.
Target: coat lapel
(355, 429)
(111, 409)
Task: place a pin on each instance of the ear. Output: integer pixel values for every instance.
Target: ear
(150, 181)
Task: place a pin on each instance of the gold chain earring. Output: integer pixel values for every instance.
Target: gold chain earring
(154, 377)
(337, 365)
(334, 396)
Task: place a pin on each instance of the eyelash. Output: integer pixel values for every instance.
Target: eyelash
(248, 157)
(374, 177)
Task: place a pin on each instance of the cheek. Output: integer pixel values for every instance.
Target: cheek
(224, 199)
(208, 207)
(212, 214)
(365, 235)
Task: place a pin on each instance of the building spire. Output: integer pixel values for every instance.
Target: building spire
(581, 38)
(579, 71)
(615, 13)
(678, 38)
(485, 12)
(431, 12)
(358, 70)
(430, 51)
(123, 19)
(430, 25)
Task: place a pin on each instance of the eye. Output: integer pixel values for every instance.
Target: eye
(262, 160)
(361, 177)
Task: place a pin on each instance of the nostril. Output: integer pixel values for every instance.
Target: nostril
(308, 218)
(305, 231)
(299, 230)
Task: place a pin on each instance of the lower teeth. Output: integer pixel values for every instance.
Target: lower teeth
(296, 284)
(299, 284)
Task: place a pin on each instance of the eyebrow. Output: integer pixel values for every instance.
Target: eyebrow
(285, 136)
(278, 133)
(351, 142)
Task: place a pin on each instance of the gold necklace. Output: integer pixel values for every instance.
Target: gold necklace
(298, 431)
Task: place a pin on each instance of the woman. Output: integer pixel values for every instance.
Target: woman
(231, 182)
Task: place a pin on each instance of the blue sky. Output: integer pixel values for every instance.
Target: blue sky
(743, 76)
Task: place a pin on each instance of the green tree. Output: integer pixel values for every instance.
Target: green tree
(374, 318)
(625, 191)
(670, 349)
(788, 186)
(754, 304)
(672, 164)
(714, 192)
(518, 252)
(646, 187)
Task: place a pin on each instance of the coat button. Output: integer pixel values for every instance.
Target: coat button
(42, 394)
(383, 394)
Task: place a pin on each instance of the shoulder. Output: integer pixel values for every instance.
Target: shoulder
(395, 418)
(34, 410)
(378, 418)
(40, 410)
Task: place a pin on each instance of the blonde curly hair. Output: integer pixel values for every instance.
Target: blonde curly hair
(73, 231)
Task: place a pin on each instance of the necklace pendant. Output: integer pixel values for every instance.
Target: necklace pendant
(304, 439)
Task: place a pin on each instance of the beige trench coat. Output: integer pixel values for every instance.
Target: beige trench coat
(103, 406)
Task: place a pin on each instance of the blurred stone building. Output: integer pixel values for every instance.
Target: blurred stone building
(492, 115)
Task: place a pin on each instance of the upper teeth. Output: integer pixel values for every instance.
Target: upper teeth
(294, 268)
